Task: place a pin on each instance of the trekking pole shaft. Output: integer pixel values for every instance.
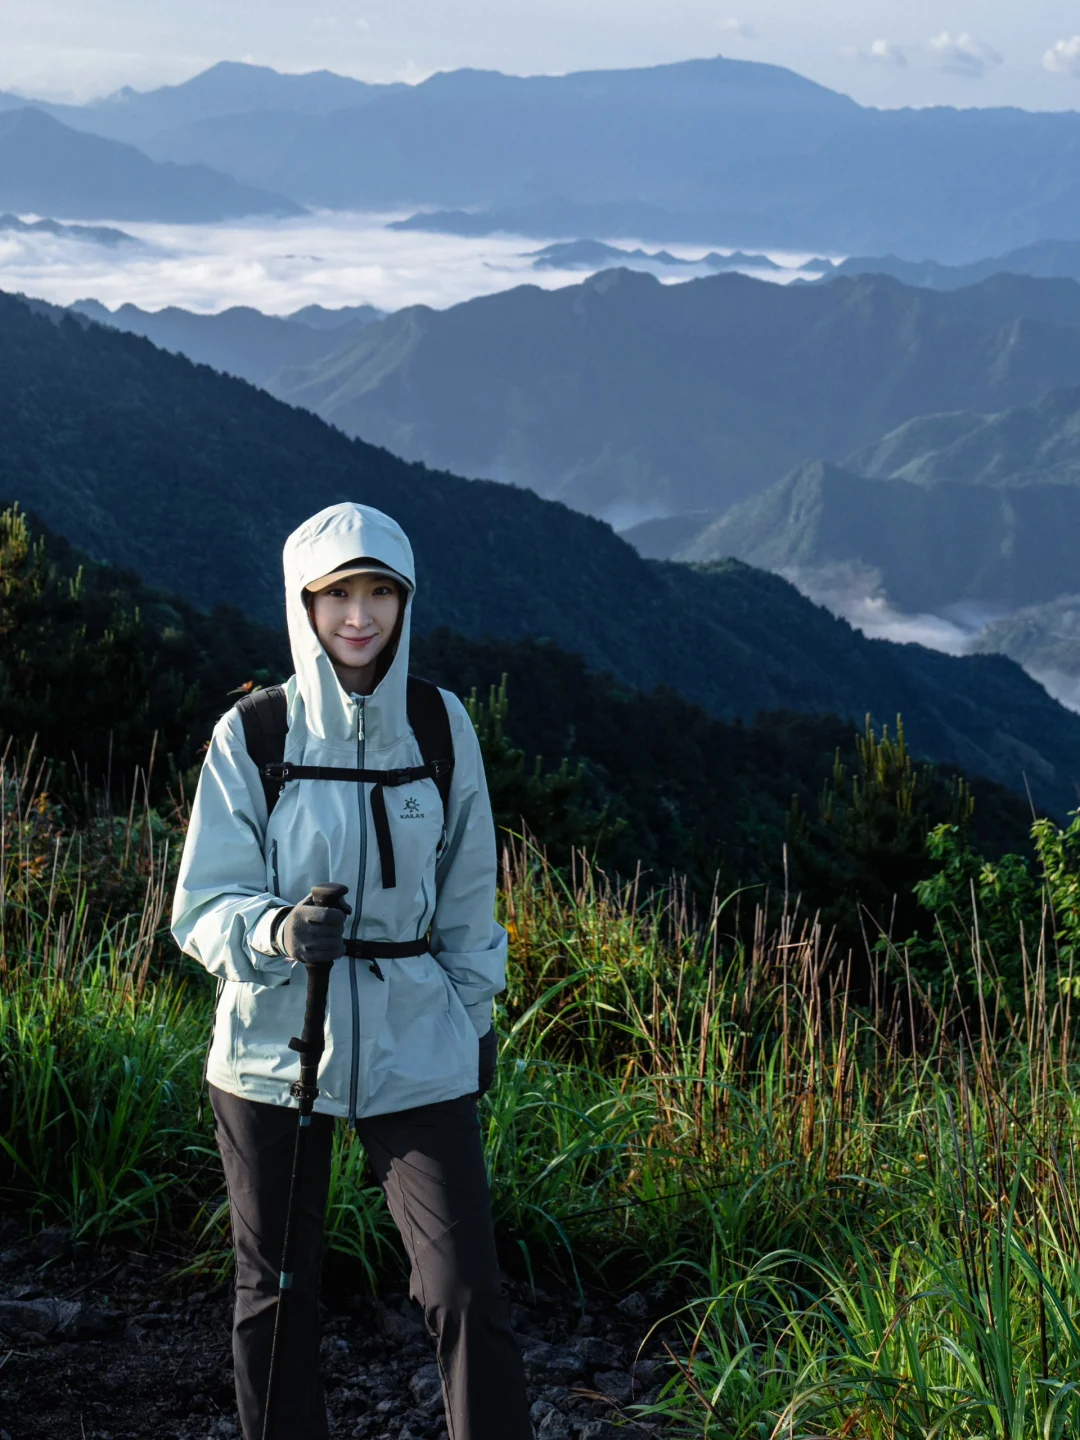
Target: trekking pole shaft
(310, 1047)
(285, 1278)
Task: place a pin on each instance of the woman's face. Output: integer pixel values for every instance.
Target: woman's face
(355, 619)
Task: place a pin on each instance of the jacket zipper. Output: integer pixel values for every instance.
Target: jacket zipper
(354, 1077)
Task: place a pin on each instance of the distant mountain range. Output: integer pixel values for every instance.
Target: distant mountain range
(567, 218)
(631, 399)
(87, 234)
(225, 89)
(597, 255)
(239, 341)
(471, 136)
(724, 152)
(192, 479)
(1047, 259)
(47, 168)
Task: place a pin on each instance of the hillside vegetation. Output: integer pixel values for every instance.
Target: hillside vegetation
(645, 783)
(947, 508)
(193, 479)
(240, 341)
(849, 1214)
(926, 545)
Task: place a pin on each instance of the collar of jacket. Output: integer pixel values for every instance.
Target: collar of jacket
(331, 538)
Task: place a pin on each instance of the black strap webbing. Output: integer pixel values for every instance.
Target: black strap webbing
(280, 772)
(265, 717)
(383, 838)
(386, 949)
(375, 950)
(430, 723)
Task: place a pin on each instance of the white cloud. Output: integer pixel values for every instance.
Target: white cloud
(413, 74)
(279, 265)
(362, 24)
(963, 55)
(1064, 57)
(737, 29)
(878, 52)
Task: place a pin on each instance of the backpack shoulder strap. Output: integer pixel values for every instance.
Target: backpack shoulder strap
(265, 717)
(431, 725)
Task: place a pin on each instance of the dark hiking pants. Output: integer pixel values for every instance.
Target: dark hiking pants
(430, 1163)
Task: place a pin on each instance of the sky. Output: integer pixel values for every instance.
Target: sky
(882, 52)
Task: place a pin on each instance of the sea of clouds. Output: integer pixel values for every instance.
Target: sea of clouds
(281, 265)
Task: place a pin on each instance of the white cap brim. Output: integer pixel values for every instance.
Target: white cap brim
(347, 570)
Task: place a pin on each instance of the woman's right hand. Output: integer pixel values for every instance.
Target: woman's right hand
(313, 934)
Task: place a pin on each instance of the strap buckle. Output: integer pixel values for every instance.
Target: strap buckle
(396, 777)
(280, 770)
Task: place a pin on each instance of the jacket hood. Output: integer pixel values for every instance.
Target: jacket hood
(328, 540)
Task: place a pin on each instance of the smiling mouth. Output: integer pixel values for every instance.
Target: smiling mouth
(357, 639)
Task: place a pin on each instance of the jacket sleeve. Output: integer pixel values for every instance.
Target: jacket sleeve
(466, 939)
(222, 910)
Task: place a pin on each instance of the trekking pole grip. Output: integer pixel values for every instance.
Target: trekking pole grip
(311, 1043)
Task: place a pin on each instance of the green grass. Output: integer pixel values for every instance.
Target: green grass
(864, 1219)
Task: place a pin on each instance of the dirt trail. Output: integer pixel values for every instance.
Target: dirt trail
(114, 1348)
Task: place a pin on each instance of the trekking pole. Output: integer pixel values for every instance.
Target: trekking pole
(310, 1047)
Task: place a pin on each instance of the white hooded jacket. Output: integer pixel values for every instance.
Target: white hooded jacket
(391, 1044)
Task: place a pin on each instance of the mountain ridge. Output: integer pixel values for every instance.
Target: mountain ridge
(239, 341)
(633, 399)
(48, 168)
(731, 152)
(192, 479)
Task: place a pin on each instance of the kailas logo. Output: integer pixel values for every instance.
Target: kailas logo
(412, 810)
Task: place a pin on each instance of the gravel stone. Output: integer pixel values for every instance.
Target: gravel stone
(553, 1427)
(551, 1364)
(634, 1306)
(596, 1354)
(426, 1388)
(616, 1385)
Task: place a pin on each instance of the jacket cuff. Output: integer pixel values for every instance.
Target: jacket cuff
(262, 935)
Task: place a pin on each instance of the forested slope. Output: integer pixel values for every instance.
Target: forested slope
(193, 480)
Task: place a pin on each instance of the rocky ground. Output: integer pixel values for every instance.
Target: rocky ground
(115, 1347)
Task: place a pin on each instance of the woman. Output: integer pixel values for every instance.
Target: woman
(405, 1036)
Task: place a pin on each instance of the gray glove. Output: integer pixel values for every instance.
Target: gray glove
(489, 1054)
(312, 934)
